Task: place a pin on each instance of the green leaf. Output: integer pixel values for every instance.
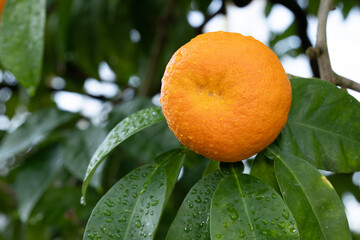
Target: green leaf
(172, 162)
(35, 129)
(35, 177)
(211, 167)
(192, 219)
(22, 40)
(323, 126)
(78, 147)
(318, 210)
(131, 209)
(126, 128)
(263, 168)
(243, 207)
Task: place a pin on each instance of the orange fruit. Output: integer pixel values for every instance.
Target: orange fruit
(225, 96)
(2, 4)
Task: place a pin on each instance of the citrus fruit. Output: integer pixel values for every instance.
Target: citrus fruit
(2, 4)
(225, 96)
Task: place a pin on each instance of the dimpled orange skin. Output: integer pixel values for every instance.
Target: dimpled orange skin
(225, 96)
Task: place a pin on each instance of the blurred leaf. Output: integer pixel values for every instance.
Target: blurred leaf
(22, 40)
(343, 182)
(211, 167)
(78, 147)
(323, 126)
(127, 127)
(35, 177)
(244, 207)
(263, 169)
(193, 218)
(35, 129)
(318, 210)
(132, 207)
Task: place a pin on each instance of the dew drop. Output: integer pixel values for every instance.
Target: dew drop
(154, 202)
(107, 213)
(218, 235)
(137, 223)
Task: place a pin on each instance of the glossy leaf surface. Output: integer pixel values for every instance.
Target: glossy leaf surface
(193, 218)
(317, 209)
(126, 128)
(22, 40)
(323, 126)
(243, 207)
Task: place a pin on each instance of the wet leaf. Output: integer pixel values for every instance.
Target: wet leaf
(317, 209)
(131, 209)
(323, 126)
(243, 207)
(126, 128)
(22, 40)
(192, 219)
(35, 177)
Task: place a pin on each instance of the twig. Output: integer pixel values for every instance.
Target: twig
(222, 9)
(322, 54)
(301, 27)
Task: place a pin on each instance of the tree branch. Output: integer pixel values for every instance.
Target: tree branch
(321, 53)
(158, 46)
(301, 26)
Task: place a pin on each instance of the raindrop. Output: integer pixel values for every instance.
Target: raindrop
(281, 225)
(285, 214)
(267, 199)
(265, 222)
(137, 223)
(134, 186)
(82, 200)
(154, 202)
(134, 195)
(123, 219)
(198, 199)
(273, 195)
(187, 229)
(107, 213)
(194, 191)
(242, 234)
(265, 232)
(218, 235)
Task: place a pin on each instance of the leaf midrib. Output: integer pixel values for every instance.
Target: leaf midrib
(302, 188)
(323, 130)
(243, 200)
(137, 200)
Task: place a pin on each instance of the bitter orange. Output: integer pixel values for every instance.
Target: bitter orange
(225, 96)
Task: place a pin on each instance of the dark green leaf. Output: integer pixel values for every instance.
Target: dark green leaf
(22, 40)
(211, 167)
(243, 207)
(318, 210)
(192, 219)
(35, 129)
(35, 177)
(126, 128)
(323, 126)
(78, 147)
(263, 169)
(132, 207)
(172, 162)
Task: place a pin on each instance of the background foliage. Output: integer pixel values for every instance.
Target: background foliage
(45, 151)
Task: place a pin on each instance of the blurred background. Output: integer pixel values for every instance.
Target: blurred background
(104, 60)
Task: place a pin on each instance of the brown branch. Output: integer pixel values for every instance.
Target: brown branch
(159, 43)
(301, 27)
(322, 54)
